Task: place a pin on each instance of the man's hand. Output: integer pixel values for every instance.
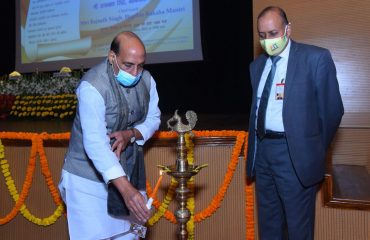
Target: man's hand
(122, 140)
(134, 200)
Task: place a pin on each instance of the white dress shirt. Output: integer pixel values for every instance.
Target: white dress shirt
(87, 200)
(274, 110)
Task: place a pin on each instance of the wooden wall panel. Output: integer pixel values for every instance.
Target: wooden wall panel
(352, 146)
(228, 222)
(39, 200)
(337, 224)
(340, 224)
(229, 218)
(342, 27)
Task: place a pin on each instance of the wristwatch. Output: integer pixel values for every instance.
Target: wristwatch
(132, 139)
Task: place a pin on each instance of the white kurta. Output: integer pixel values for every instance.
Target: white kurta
(86, 200)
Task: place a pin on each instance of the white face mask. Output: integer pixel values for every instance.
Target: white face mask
(275, 46)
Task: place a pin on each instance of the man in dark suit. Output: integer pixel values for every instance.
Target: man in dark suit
(296, 110)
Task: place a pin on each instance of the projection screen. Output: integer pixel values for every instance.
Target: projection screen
(51, 34)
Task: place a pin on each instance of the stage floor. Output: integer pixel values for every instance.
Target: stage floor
(205, 122)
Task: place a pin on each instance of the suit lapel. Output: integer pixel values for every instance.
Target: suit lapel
(290, 73)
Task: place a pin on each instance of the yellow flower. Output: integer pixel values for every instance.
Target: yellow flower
(65, 70)
(15, 74)
(14, 194)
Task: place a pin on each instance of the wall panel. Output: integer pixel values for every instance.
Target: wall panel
(228, 221)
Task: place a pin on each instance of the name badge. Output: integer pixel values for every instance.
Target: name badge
(279, 92)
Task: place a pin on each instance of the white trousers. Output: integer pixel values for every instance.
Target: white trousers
(87, 214)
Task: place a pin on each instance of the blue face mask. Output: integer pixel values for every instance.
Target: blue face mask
(126, 79)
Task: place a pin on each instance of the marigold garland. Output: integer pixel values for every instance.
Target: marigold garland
(37, 147)
(162, 207)
(241, 138)
(19, 199)
(41, 107)
(249, 203)
(191, 185)
(218, 198)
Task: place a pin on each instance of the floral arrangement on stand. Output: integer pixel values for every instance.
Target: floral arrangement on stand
(39, 95)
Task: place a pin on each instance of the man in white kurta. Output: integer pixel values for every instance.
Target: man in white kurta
(86, 200)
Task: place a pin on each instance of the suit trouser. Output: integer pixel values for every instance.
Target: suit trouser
(286, 209)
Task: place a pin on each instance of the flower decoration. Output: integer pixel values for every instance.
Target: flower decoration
(19, 199)
(40, 95)
(40, 107)
(65, 69)
(15, 74)
(241, 140)
(162, 207)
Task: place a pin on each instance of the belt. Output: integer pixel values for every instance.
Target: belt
(272, 135)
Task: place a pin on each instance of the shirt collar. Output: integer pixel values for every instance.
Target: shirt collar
(285, 54)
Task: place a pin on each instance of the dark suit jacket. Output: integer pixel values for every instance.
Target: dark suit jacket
(312, 109)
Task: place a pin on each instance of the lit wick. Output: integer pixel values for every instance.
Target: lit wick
(155, 190)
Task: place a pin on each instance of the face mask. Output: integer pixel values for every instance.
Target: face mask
(275, 46)
(126, 79)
